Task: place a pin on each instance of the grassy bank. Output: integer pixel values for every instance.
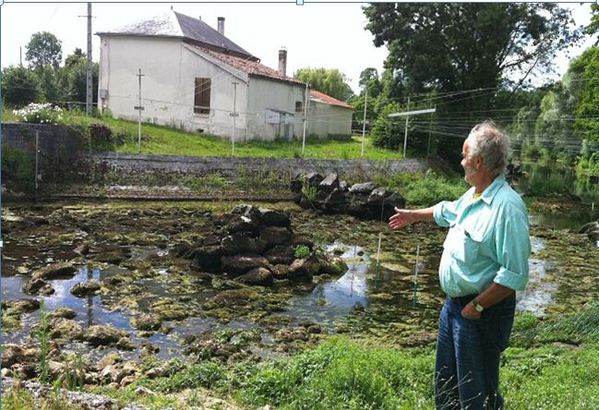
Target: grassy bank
(164, 140)
(551, 364)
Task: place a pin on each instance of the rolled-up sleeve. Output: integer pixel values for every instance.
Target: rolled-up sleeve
(444, 213)
(512, 246)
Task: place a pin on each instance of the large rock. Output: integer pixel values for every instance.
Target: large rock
(12, 354)
(56, 270)
(242, 243)
(244, 218)
(19, 306)
(146, 321)
(257, 276)
(328, 184)
(240, 264)
(335, 201)
(313, 179)
(275, 235)
(89, 287)
(103, 335)
(207, 258)
(280, 255)
(68, 329)
(364, 188)
(275, 218)
(303, 269)
(37, 285)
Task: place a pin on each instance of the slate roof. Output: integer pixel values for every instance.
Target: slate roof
(327, 99)
(248, 66)
(179, 25)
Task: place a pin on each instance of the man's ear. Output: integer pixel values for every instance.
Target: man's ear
(478, 162)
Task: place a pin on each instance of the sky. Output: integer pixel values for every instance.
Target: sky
(329, 35)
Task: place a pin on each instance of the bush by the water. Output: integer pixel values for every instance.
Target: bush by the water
(424, 189)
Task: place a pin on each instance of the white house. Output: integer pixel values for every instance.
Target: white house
(191, 76)
(328, 117)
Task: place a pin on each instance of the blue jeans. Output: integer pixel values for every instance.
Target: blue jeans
(468, 353)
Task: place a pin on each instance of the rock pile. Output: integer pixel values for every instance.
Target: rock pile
(592, 231)
(256, 246)
(331, 195)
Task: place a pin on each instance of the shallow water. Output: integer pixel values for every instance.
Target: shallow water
(388, 300)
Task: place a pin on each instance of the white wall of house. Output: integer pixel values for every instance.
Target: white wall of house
(272, 106)
(169, 70)
(326, 120)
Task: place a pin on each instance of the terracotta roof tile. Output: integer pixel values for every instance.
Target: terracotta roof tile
(248, 66)
(327, 99)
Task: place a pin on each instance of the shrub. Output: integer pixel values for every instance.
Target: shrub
(386, 133)
(40, 114)
(20, 86)
(99, 132)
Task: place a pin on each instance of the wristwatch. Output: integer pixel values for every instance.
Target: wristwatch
(477, 306)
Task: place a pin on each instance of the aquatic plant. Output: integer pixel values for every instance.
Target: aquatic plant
(301, 251)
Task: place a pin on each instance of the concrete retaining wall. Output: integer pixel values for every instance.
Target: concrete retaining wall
(230, 166)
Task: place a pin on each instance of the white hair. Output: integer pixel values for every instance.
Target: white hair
(491, 145)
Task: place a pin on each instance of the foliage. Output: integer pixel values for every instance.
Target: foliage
(20, 86)
(424, 189)
(42, 334)
(44, 49)
(40, 114)
(203, 374)
(593, 27)
(301, 251)
(588, 166)
(75, 71)
(387, 132)
(329, 81)
(343, 375)
(210, 182)
(18, 168)
(464, 52)
(480, 45)
(587, 111)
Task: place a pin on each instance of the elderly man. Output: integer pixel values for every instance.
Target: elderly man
(484, 261)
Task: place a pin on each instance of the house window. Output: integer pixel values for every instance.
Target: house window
(202, 96)
(298, 106)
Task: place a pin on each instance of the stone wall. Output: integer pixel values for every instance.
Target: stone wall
(230, 166)
(61, 150)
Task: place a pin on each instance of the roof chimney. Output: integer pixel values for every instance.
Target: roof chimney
(283, 61)
(221, 25)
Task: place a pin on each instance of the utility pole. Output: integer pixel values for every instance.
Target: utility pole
(430, 131)
(364, 121)
(406, 114)
(234, 114)
(405, 134)
(89, 84)
(139, 109)
(20, 56)
(306, 101)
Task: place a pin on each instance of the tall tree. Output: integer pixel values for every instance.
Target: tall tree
(329, 81)
(456, 47)
(44, 49)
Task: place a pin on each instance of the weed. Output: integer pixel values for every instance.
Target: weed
(301, 251)
(42, 334)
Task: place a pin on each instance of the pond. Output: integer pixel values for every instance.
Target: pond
(397, 299)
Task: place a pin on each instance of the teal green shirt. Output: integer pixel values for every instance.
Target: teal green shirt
(487, 241)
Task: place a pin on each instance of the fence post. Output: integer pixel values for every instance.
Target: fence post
(37, 150)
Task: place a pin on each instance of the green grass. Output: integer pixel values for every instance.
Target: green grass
(157, 139)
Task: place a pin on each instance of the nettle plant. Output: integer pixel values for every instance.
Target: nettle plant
(43, 113)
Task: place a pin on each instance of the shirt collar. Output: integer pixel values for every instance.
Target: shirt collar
(490, 191)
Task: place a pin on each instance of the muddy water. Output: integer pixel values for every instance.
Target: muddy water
(387, 300)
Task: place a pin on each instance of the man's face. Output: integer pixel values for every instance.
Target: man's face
(468, 163)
